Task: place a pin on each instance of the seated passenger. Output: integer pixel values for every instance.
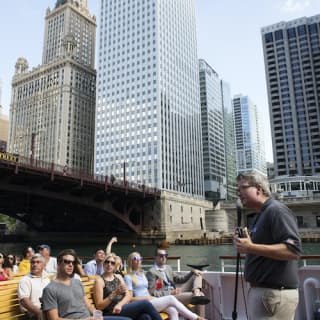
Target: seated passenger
(12, 263)
(162, 281)
(24, 265)
(64, 297)
(113, 298)
(137, 283)
(95, 266)
(51, 262)
(8, 267)
(4, 273)
(31, 286)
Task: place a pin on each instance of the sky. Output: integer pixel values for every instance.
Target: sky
(229, 39)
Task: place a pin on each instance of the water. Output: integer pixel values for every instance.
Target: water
(207, 254)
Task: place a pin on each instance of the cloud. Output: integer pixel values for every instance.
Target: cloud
(293, 6)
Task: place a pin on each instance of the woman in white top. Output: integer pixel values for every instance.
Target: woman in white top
(137, 284)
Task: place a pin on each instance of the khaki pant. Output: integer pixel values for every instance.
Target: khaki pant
(186, 294)
(266, 304)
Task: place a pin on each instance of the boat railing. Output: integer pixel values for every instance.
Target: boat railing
(226, 261)
(173, 261)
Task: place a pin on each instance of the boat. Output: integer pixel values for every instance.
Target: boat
(219, 287)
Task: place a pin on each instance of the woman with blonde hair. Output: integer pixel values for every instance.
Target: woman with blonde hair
(137, 283)
(112, 297)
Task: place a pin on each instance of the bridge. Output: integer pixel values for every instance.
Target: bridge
(53, 198)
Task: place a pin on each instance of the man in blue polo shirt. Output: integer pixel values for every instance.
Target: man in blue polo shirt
(95, 266)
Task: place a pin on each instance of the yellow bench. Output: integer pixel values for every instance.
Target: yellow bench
(9, 302)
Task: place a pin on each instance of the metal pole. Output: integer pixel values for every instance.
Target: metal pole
(124, 173)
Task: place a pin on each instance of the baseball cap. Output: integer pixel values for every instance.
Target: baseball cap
(43, 246)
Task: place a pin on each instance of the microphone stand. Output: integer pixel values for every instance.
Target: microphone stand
(234, 312)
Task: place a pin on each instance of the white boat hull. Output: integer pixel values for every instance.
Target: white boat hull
(220, 288)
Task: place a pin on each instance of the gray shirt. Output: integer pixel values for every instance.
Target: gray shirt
(68, 300)
(274, 224)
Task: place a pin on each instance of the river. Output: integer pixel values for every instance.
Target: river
(202, 254)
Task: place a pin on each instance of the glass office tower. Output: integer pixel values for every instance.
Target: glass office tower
(250, 148)
(148, 125)
(229, 141)
(214, 164)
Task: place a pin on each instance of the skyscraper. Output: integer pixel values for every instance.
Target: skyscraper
(4, 130)
(249, 136)
(292, 66)
(53, 106)
(214, 164)
(148, 125)
(229, 141)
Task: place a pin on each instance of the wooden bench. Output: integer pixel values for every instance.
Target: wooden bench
(9, 302)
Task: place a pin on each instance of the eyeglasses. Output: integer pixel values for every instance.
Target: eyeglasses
(240, 188)
(65, 261)
(137, 258)
(11, 258)
(39, 261)
(113, 263)
(162, 255)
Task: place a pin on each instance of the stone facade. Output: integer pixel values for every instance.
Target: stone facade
(176, 216)
(52, 111)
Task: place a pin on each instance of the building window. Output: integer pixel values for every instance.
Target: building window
(300, 221)
(318, 221)
(268, 37)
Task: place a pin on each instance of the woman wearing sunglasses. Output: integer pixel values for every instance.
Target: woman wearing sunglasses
(137, 284)
(5, 272)
(112, 297)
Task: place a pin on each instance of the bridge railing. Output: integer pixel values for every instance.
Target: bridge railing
(49, 167)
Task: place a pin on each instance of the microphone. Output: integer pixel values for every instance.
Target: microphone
(239, 207)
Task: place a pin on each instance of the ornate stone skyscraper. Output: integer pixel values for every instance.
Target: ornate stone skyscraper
(148, 108)
(53, 106)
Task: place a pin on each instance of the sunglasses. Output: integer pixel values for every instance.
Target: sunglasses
(113, 263)
(10, 258)
(65, 261)
(137, 258)
(162, 255)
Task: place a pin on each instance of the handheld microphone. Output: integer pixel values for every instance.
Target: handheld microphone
(239, 207)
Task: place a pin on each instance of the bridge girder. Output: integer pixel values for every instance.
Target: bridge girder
(49, 202)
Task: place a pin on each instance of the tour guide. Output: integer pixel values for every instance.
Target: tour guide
(272, 247)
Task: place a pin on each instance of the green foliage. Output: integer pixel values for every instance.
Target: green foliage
(10, 222)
